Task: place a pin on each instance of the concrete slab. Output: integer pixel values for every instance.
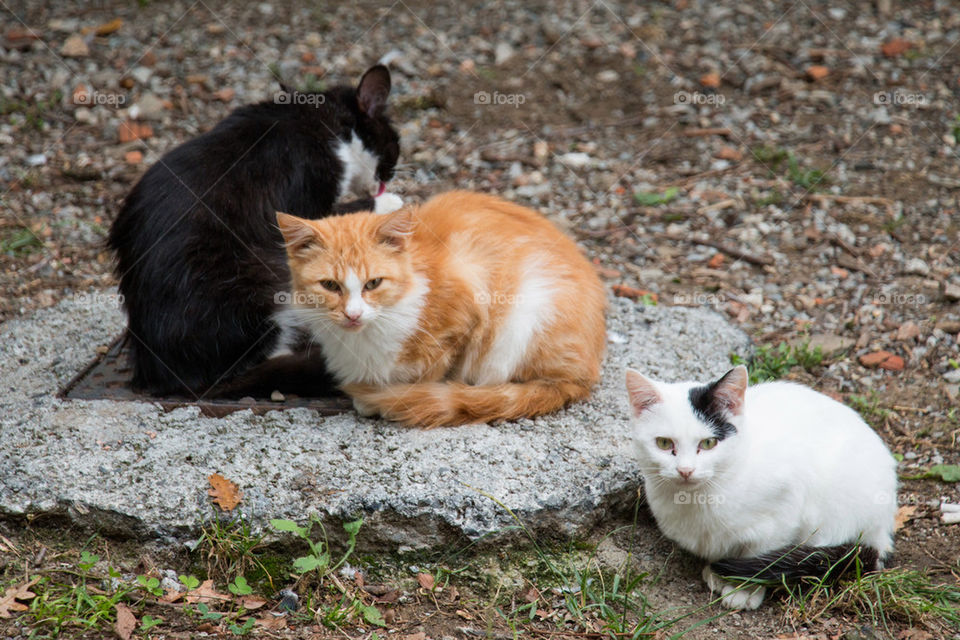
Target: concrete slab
(133, 470)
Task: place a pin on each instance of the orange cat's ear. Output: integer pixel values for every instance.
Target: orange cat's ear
(395, 229)
(297, 233)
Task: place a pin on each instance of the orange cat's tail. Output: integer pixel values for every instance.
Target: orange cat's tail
(448, 404)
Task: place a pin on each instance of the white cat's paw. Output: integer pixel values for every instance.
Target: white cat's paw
(714, 582)
(745, 597)
(387, 203)
(364, 409)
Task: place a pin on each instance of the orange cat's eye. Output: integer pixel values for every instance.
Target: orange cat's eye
(372, 284)
(330, 285)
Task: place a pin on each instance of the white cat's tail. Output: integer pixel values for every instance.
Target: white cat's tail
(448, 404)
(791, 564)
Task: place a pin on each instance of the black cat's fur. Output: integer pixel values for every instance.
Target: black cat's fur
(199, 256)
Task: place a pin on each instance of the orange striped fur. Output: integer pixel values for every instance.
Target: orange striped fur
(466, 309)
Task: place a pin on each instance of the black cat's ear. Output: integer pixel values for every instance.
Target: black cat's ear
(642, 392)
(728, 391)
(395, 229)
(297, 233)
(373, 90)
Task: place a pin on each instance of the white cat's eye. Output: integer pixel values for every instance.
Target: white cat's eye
(665, 443)
(708, 443)
(330, 285)
(372, 284)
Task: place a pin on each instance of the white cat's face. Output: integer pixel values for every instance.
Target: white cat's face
(686, 432)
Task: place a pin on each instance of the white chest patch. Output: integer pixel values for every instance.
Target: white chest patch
(370, 355)
(359, 168)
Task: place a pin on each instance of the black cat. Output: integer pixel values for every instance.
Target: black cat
(200, 260)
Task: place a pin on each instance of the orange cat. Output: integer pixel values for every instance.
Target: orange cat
(466, 309)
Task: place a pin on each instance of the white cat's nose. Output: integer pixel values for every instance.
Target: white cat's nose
(686, 472)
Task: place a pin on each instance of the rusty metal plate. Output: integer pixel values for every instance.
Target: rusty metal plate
(108, 376)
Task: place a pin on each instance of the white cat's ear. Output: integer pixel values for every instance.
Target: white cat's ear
(297, 234)
(396, 228)
(373, 90)
(730, 389)
(642, 392)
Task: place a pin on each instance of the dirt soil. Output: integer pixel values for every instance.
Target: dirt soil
(792, 165)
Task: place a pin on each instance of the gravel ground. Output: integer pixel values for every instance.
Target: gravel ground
(795, 163)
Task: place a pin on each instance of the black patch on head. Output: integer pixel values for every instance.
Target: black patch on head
(707, 408)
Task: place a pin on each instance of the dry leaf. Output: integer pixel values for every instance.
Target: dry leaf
(126, 622)
(464, 614)
(895, 47)
(109, 27)
(420, 635)
(903, 516)
(206, 593)
(129, 131)
(8, 602)
(252, 602)
(172, 595)
(224, 493)
(426, 580)
(914, 634)
(272, 622)
(224, 95)
(530, 595)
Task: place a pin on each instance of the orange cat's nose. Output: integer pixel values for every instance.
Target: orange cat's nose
(352, 315)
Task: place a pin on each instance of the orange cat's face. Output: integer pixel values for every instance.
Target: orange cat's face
(351, 269)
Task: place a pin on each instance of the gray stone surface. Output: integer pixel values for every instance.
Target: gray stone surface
(130, 469)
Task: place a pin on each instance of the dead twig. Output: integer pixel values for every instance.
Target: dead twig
(740, 254)
(826, 197)
(715, 131)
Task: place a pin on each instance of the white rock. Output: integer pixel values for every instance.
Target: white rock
(141, 74)
(608, 75)
(502, 53)
(36, 160)
(916, 267)
(148, 107)
(575, 159)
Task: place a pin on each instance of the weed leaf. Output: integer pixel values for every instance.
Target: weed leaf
(289, 526)
(945, 472)
(311, 562)
(372, 615)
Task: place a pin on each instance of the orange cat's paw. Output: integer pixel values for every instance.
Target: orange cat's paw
(364, 409)
(387, 203)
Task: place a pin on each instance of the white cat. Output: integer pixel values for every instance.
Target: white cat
(775, 482)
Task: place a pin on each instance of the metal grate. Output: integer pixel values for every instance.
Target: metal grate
(107, 377)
